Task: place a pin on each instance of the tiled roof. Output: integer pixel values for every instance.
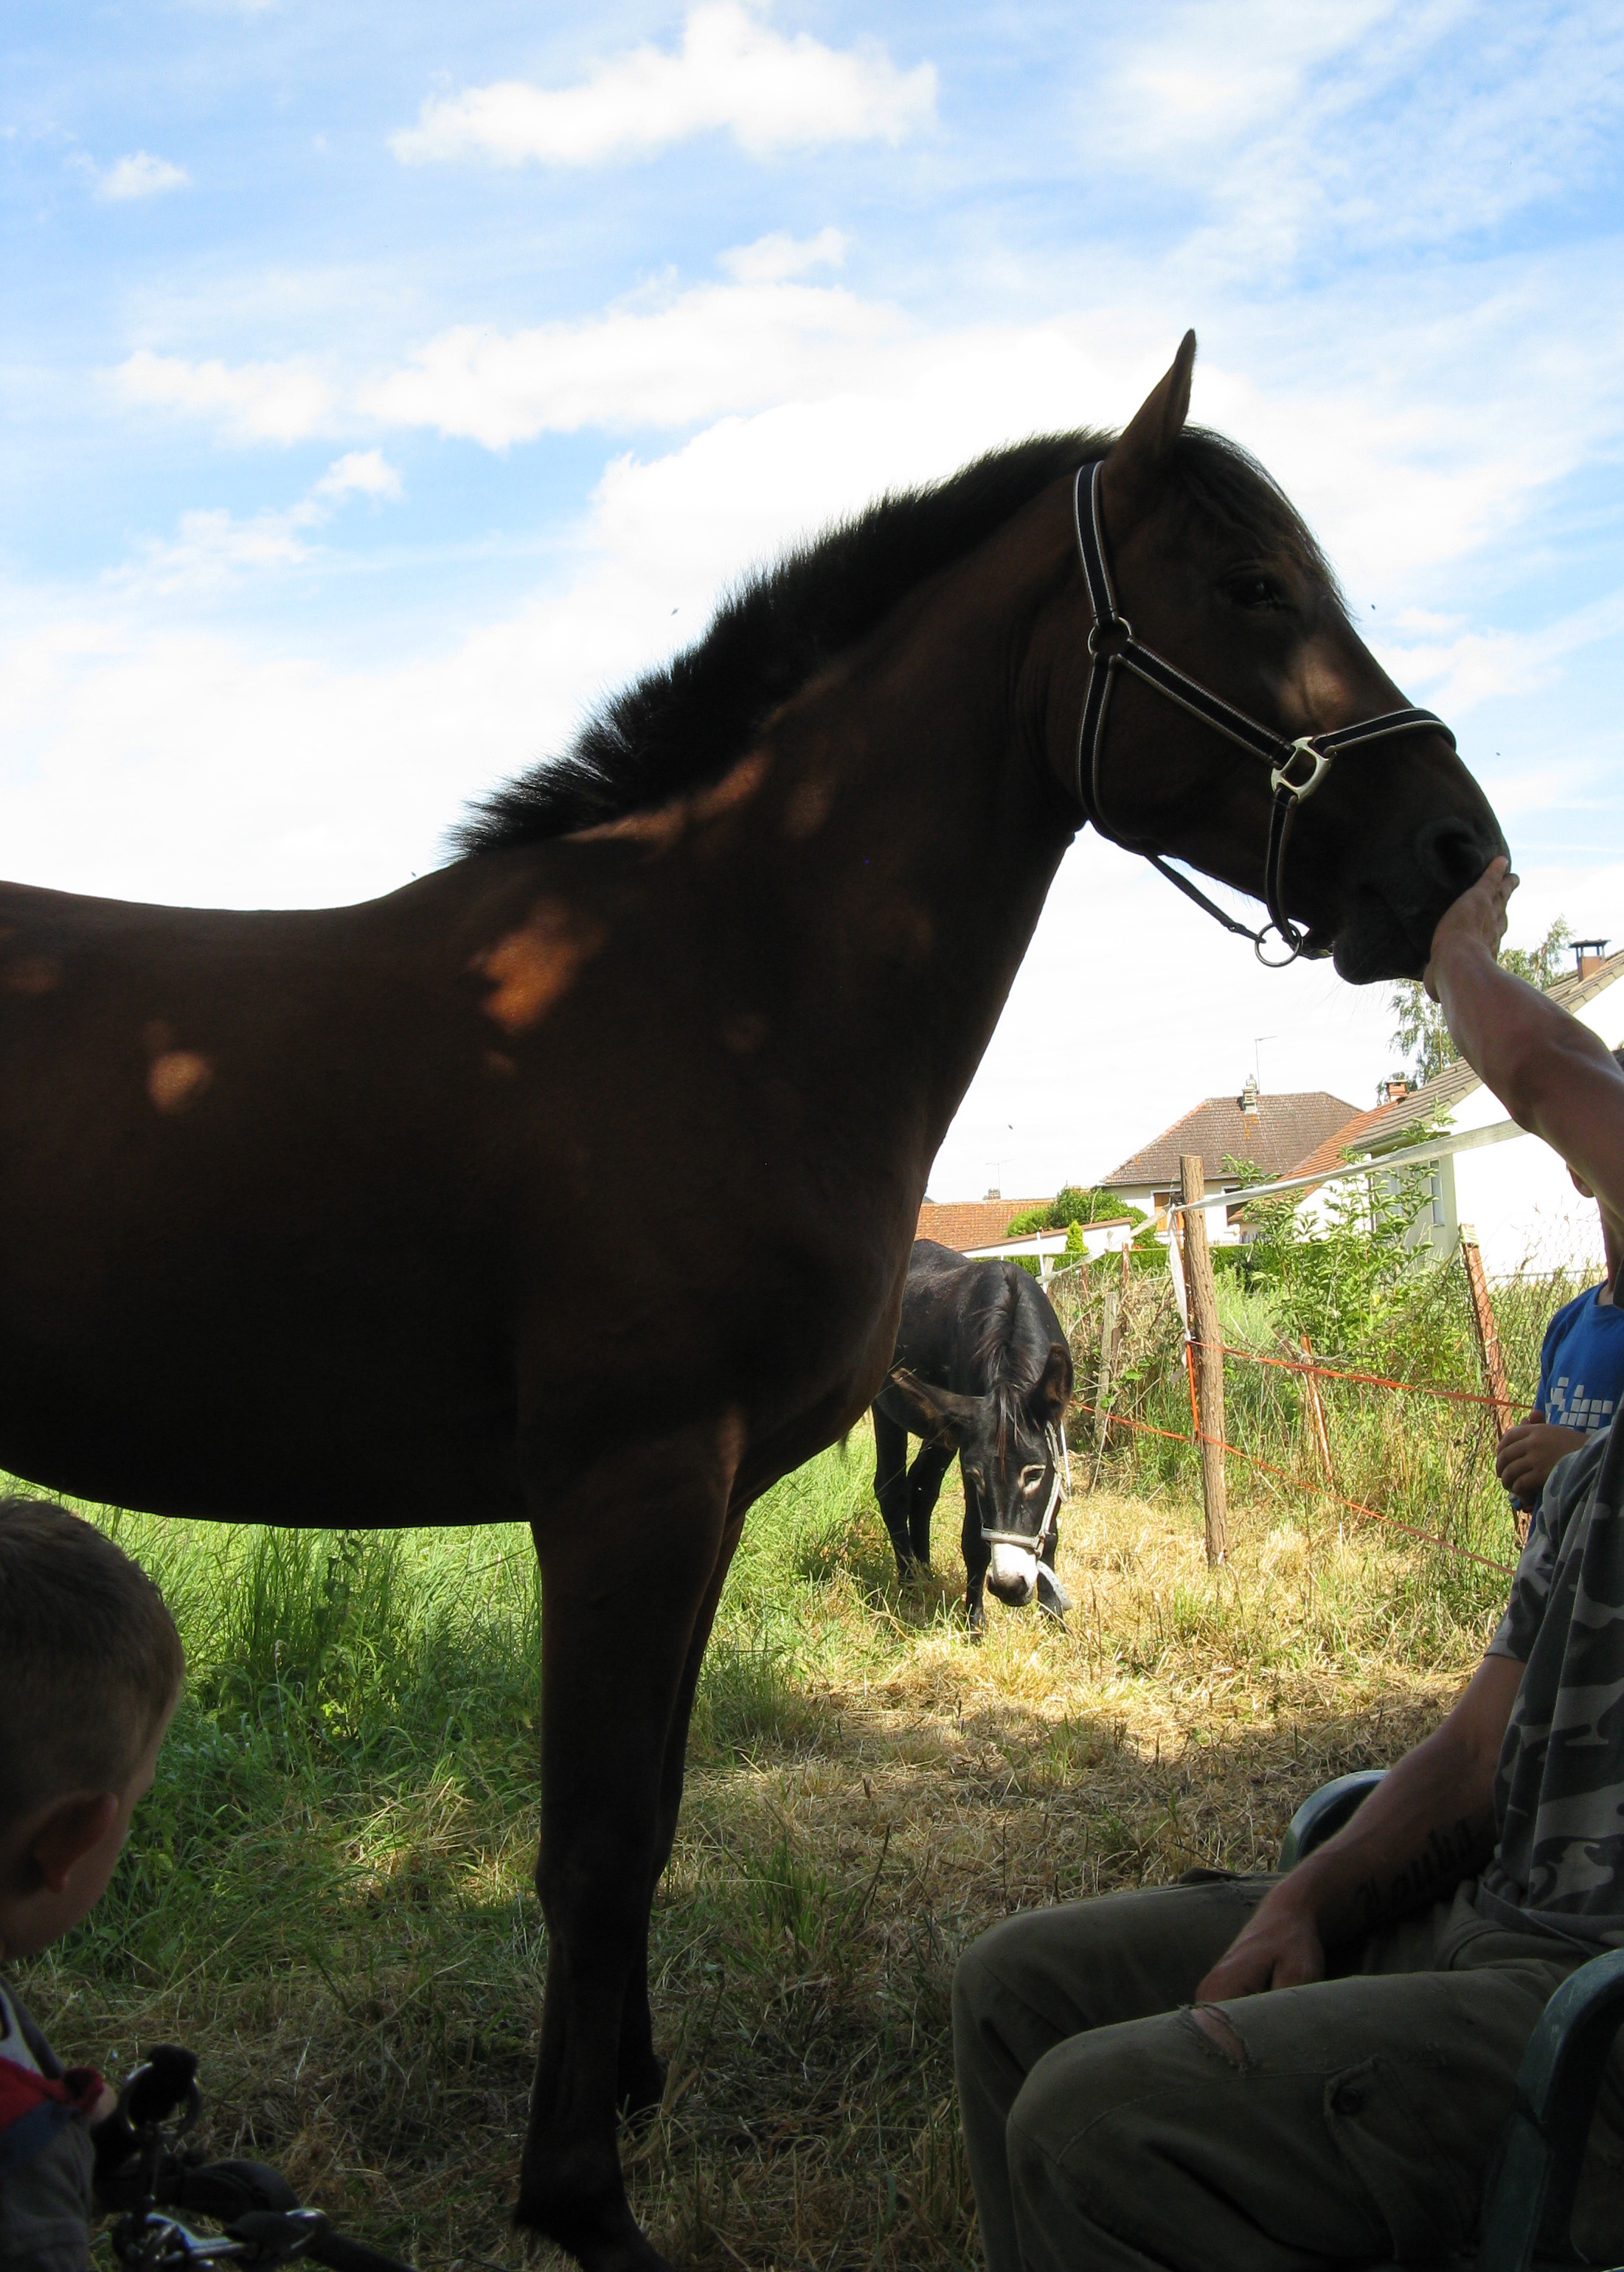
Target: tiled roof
(964, 1223)
(1436, 1100)
(1350, 1138)
(1273, 1137)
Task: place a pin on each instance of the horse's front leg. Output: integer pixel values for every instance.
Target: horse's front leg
(924, 1483)
(978, 1560)
(628, 1560)
(641, 2081)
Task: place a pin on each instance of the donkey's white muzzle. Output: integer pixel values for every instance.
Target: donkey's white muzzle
(1013, 1574)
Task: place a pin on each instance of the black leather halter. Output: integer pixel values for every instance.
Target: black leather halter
(1295, 767)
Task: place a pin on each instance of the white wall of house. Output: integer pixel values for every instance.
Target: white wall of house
(1517, 1195)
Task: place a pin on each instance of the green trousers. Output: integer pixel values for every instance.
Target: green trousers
(1348, 2123)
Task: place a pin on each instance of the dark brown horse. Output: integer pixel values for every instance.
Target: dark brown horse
(301, 1213)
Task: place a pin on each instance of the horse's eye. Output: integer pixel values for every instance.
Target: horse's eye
(1253, 588)
(1030, 1478)
(974, 1475)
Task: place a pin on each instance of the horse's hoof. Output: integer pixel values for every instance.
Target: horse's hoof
(605, 2241)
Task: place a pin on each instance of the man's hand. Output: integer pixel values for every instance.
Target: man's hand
(1429, 1823)
(1279, 1947)
(1529, 1452)
(1478, 918)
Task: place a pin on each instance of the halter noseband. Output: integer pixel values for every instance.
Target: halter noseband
(1054, 1438)
(1295, 767)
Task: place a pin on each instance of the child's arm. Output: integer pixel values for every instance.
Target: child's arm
(1529, 1452)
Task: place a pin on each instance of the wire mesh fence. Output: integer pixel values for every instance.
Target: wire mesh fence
(1397, 1434)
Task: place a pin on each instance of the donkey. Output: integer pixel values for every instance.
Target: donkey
(300, 1212)
(983, 1372)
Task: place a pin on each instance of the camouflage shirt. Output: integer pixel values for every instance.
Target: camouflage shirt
(1559, 1793)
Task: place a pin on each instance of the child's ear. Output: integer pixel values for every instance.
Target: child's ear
(70, 1831)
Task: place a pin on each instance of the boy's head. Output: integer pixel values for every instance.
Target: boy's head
(90, 1669)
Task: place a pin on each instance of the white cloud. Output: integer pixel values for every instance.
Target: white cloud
(771, 260)
(1309, 133)
(731, 72)
(1475, 666)
(700, 354)
(140, 175)
(281, 401)
(215, 549)
(360, 472)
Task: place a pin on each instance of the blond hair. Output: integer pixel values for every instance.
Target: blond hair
(90, 1660)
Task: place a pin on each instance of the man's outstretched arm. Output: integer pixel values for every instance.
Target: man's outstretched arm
(1552, 1073)
(1428, 1824)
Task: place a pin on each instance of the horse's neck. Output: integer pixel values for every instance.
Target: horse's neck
(920, 834)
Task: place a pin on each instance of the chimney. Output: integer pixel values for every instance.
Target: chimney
(1248, 1098)
(1389, 1091)
(1590, 955)
(993, 1194)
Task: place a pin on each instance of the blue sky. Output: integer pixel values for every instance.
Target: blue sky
(379, 386)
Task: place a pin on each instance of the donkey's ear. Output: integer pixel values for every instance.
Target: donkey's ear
(1055, 1386)
(938, 1414)
(1135, 462)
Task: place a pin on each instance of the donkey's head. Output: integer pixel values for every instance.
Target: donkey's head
(1214, 572)
(1009, 1443)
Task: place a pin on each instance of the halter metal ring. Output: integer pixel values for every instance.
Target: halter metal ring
(1275, 961)
(1280, 776)
(1111, 626)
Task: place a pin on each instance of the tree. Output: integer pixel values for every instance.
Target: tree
(1421, 1029)
(1072, 1203)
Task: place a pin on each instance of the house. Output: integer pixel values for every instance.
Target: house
(973, 1225)
(1514, 1194)
(979, 1226)
(1271, 1133)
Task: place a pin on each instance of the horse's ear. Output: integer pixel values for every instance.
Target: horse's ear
(1136, 460)
(938, 1414)
(1055, 1386)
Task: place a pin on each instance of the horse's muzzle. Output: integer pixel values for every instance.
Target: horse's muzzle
(1014, 1575)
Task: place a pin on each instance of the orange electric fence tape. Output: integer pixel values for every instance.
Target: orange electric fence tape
(1374, 1380)
(1354, 1506)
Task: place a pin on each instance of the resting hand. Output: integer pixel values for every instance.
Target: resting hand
(1477, 918)
(1529, 1452)
(1279, 1947)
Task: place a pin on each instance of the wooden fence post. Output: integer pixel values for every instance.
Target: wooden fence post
(1110, 1307)
(1209, 1355)
(1488, 1333)
(1316, 1416)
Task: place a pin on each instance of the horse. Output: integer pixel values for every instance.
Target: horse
(983, 1372)
(300, 1211)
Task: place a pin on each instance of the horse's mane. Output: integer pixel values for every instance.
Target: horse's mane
(1012, 1348)
(685, 722)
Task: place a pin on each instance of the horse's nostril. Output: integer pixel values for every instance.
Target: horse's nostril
(1453, 854)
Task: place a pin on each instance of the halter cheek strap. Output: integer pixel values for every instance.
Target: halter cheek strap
(1295, 767)
(1059, 1489)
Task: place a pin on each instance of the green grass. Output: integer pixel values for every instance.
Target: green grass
(328, 1892)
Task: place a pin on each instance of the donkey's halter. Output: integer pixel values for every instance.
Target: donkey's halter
(1295, 767)
(1034, 1543)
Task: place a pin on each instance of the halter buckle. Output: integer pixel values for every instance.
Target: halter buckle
(1320, 760)
(1110, 627)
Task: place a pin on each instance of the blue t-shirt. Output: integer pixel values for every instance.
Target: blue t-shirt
(1582, 1364)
